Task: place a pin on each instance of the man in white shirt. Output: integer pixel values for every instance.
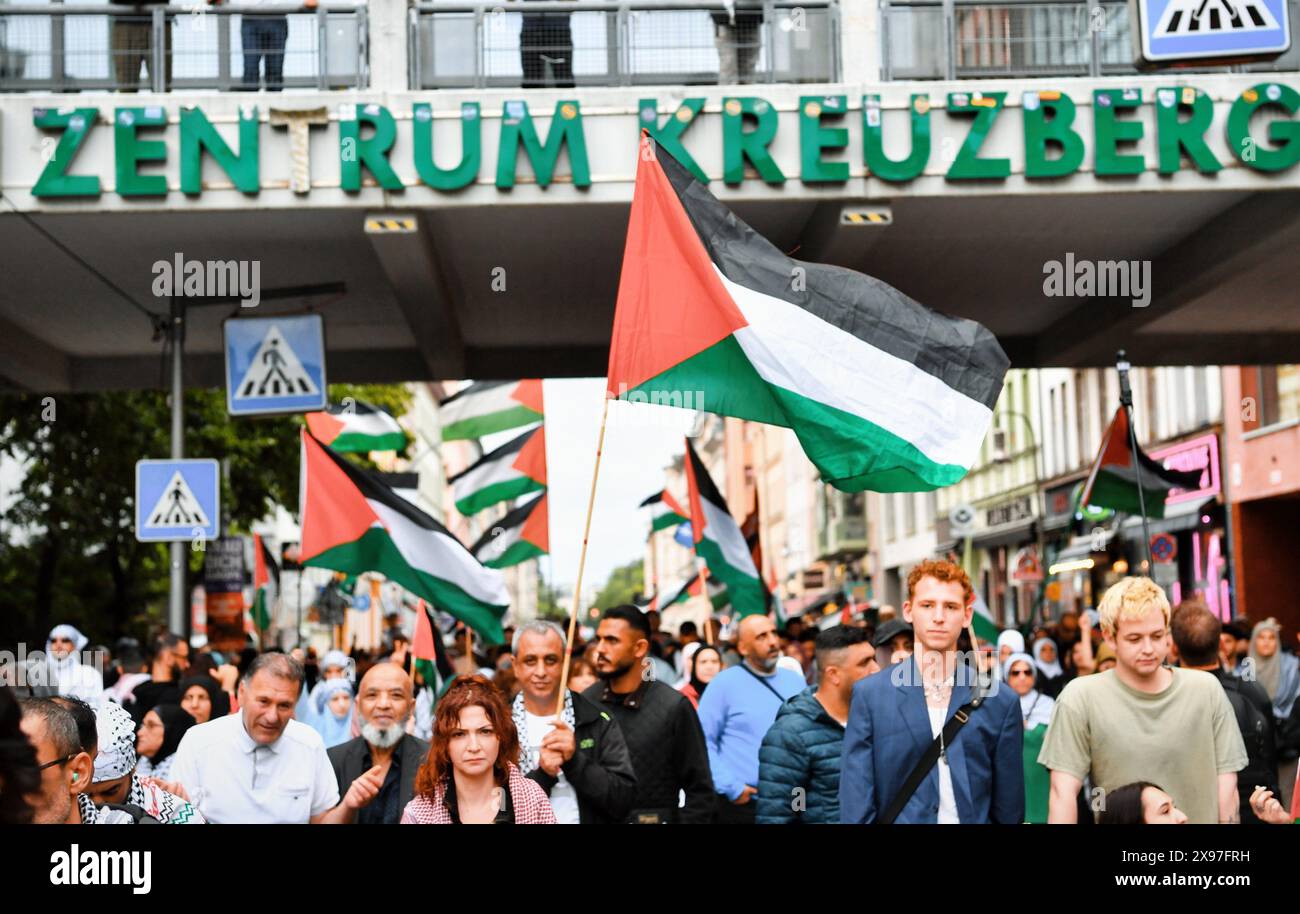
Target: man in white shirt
(582, 762)
(260, 765)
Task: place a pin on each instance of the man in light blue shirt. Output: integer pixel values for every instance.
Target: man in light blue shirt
(736, 710)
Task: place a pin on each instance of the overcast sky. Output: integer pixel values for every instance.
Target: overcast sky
(640, 441)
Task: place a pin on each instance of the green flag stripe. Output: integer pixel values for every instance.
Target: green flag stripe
(497, 492)
(844, 447)
(376, 551)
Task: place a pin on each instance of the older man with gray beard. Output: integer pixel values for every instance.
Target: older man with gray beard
(376, 771)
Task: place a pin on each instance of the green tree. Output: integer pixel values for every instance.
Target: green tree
(67, 548)
(626, 584)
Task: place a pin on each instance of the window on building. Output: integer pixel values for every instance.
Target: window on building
(1275, 392)
(887, 515)
(909, 513)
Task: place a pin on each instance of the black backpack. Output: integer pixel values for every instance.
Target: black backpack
(1257, 733)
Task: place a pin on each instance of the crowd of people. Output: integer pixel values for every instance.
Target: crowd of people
(1134, 713)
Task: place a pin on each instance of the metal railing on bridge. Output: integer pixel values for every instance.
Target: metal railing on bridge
(65, 47)
(957, 39)
(640, 42)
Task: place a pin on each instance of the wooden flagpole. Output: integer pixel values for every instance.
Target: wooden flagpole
(582, 562)
(704, 592)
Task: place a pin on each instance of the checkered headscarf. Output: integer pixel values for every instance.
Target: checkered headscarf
(116, 729)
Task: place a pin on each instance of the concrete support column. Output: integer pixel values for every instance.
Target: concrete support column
(860, 46)
(388, 45)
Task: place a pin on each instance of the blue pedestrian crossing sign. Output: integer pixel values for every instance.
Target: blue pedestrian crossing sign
(177, 500)
(1172, 31)
(275, 365)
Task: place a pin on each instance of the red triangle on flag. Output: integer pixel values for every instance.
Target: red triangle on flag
(529, 393)
(536, 529)
(671, 302)
(422, 644)
(531, 460)
(334, 511)
(324, 426)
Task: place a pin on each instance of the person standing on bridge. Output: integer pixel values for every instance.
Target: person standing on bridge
(737, 33)
(546, 38)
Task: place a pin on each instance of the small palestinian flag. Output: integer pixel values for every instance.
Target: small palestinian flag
(516, 468)
(720, 543)
(882, 392)
(981, 621)
(718, 596)
(352, 523)
(266, 574)
(1112, 483)
(357, 428)
(490, 406)
(665, 512)
(521, 535)
(430, 652)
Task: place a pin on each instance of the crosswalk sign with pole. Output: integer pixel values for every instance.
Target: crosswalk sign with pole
(275, 365)
(177, 500)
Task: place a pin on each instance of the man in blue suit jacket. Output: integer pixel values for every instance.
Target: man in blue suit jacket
(895, 715)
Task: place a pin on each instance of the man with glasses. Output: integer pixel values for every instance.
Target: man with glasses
(61, 672)
(64, 768)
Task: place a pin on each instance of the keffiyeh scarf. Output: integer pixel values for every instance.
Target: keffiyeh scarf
(167, 808)
(116, 757)
(529, 755)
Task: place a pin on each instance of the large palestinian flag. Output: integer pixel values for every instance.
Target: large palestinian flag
(521, 535)
(490, 406)
(515, 468)
(719, 542)
(352, 523)
(357, 427)
(1113, 481)
(665, 512)
(882, 392)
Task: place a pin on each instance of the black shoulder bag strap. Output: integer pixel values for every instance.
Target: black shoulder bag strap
(767, 685)
(926, 762)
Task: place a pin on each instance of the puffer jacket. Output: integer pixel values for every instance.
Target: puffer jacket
(799, 765)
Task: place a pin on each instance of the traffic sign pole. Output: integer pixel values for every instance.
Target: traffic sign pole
(176, 622)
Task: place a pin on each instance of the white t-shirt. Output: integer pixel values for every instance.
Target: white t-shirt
(947, 799)
(564, 799)
(232, 779)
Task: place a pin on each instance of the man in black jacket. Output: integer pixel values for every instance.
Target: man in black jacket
(581, 760)
(1195, 631)
(376, 771)
(662, 730)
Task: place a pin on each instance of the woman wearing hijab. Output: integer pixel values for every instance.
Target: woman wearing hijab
(115, 779)
(704, 664)
(1009, 642)
(203, 699)
(1278, 674)
(1051, 678)
(1020, 672)
(332, 711)
(159, 738)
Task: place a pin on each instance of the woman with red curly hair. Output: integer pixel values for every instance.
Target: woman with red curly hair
(472, 775)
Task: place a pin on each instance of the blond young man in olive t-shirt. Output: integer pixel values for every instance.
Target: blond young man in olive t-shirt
(1143, 721)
